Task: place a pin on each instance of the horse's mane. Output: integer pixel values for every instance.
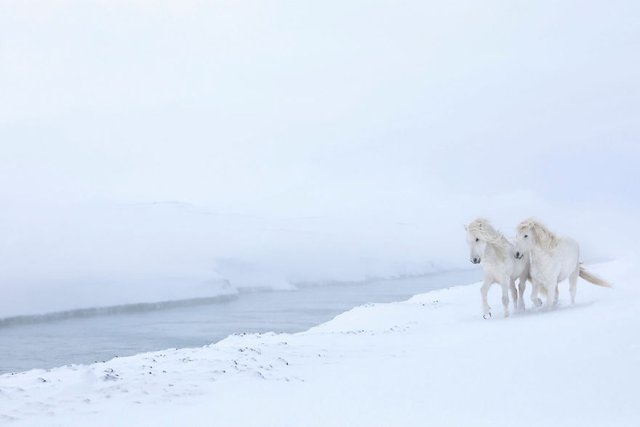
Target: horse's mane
(544, 237)
(482, 229)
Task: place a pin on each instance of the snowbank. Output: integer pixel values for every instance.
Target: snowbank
(430, 360)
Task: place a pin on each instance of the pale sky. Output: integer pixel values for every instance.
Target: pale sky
(227, 103)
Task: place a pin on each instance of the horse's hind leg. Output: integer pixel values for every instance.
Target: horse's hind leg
(573, 281)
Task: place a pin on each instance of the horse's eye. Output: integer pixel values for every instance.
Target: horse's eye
(526, 235)
(477, 240)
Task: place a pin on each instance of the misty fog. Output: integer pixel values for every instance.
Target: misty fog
(166, 150)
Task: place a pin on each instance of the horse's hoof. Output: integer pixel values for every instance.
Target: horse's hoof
(486, 316)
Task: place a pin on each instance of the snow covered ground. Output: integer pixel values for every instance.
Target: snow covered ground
(431, 360)
(161, 152)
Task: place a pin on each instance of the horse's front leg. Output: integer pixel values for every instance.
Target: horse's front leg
(484, 290)
(551, 292)
(535, 289)
(522, 284)
(505, 298)
(552, 296)
(514, 293)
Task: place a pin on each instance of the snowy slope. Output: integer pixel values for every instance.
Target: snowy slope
(430, 360)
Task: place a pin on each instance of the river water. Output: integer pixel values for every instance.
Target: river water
(87, 339)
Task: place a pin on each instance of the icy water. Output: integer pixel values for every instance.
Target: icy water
(87, 339)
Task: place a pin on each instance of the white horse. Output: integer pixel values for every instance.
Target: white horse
(497, 255)
(553, 259)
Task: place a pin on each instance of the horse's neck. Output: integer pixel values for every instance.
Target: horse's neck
(539, 252)
(545, 239)
(496, 253)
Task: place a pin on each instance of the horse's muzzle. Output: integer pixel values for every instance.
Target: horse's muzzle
(475, 260)
(519, 255)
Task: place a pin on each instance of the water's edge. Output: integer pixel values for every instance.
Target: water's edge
(142, 307)
(111, 310)
(91, 335)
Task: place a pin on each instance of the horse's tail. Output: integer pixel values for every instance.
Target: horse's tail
(592, 278)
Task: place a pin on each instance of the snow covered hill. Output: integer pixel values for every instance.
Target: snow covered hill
(431, 360)
(112, 257)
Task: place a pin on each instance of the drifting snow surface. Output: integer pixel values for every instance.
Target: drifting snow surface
(431, 360)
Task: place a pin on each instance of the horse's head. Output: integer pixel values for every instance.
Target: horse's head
(477, 243)
(524, 238)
